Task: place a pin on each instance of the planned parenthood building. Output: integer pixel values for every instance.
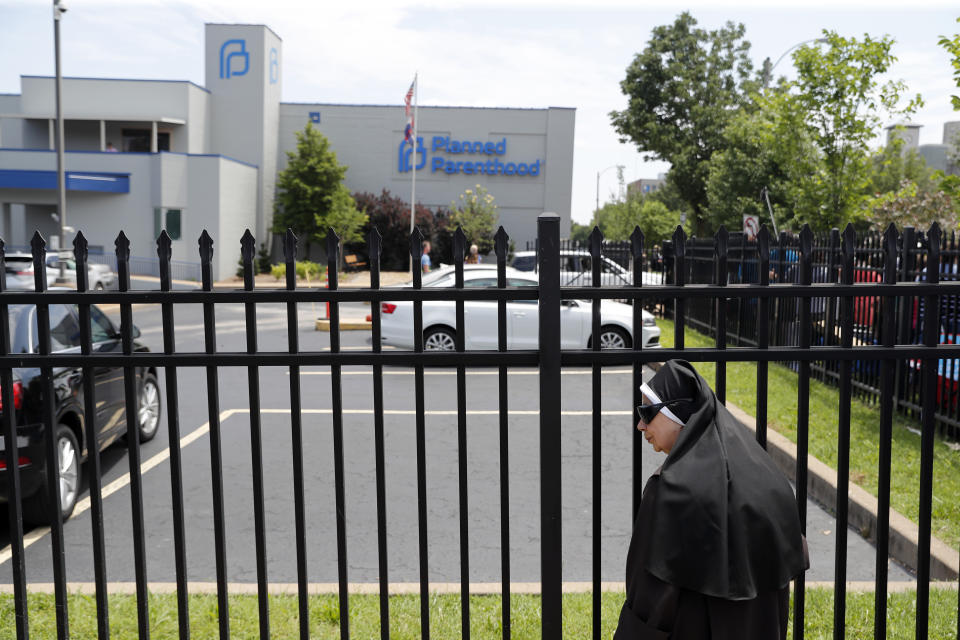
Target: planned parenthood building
(145, 155)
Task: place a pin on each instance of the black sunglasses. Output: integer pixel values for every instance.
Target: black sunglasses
(647, 412)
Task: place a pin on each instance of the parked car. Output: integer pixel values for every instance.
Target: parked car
(19, 268)
(99, 276)
(480, 317)
(576, 269)
(71, 423)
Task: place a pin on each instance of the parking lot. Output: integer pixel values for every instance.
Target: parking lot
(401, 488)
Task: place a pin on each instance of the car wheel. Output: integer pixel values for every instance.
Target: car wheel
(614, 338)
(148, 408)
(439, 339)
(36, 508)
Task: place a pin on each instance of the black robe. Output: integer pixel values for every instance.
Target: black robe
(717, 538)
(655, 609)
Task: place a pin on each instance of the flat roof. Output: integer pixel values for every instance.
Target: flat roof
(244, 24)
(421, 106)
(191, 82)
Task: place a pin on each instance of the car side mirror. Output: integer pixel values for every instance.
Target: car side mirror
(135, 332)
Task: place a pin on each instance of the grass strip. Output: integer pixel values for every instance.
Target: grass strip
(445, 616)
(864, 435)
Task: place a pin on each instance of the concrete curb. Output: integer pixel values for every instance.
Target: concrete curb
(398, 588)
(862, 506)
(350, 324)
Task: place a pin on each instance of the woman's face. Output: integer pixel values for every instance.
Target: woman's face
(661, 433)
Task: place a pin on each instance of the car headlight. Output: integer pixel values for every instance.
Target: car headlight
(649, 322)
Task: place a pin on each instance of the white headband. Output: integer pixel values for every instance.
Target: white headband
(655, 399)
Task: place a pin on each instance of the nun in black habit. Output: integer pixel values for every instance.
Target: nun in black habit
(717, 538)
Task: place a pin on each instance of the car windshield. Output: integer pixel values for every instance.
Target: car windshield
(64, 330)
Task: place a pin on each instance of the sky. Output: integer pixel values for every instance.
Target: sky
(517, 53)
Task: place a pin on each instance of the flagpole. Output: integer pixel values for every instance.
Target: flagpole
(413, 165)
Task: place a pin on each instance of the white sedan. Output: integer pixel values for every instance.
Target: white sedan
(480, 318)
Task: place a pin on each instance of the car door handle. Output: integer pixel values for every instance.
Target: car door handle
(519, 314)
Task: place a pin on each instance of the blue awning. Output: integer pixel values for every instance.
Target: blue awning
(76, 180)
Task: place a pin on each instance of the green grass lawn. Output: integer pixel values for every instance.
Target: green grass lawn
(445, 616)
(864, 435)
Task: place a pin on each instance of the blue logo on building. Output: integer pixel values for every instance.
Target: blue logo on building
(274, 65)
(404, 153)
(233, 54)
(315, 117)
(482, 162)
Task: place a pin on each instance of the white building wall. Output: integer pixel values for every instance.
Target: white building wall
(367, 139)
(106, 99)
(237, 212)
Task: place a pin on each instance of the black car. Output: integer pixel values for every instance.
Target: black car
(110, 421)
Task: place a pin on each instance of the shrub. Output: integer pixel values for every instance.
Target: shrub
(306, 270)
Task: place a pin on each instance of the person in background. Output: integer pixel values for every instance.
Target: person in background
(717, 538)
(474, 256)
(111, 148)
(425, 263)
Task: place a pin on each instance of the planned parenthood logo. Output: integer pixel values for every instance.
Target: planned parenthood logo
(234, 59)
(274, 65)
(405, 153)
(452, 156)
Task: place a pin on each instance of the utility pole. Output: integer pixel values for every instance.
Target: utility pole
(58, 10)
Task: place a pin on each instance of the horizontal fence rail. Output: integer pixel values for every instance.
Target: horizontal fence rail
(877, 316)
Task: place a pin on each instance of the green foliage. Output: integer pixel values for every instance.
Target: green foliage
(952, 46)
(306, 270)
(344, 217)
(682, 90)
(486, 615)
(579, 232)
(477, 214)
(840, 93)
(263, 259)
(617, 220)
(309, 190)
(391, 216)
(767, 148)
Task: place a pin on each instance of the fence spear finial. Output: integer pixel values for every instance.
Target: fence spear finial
(501, 243)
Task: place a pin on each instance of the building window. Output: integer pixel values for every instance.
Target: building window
(169, 219)
(138, 140)
(173, 223)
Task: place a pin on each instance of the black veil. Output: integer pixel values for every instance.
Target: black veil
(724, 521)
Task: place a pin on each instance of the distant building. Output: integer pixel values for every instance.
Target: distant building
(940, 157)
(151, 155)
(646, 186)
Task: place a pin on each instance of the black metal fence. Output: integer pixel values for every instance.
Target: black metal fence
(829, 252)
(889, 354)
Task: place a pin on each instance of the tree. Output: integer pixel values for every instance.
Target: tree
(476, 212)
(344, 218)
(617, 220)
(682, 91)
(952, 45)
(309, 188)
(769, 155)
(840, 92)
(391, 216)
(580, 233)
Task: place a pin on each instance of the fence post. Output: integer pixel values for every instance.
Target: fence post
(548, 260)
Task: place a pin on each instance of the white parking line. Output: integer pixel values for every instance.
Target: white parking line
(109, 489)
(469, 373)
(116, 485)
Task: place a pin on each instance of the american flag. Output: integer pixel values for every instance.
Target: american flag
(407, 100)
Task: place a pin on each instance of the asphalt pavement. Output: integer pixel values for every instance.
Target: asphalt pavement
(483, 460)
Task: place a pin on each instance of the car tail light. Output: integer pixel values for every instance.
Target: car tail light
(22, 461)
(17, 396)
(386, 307)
